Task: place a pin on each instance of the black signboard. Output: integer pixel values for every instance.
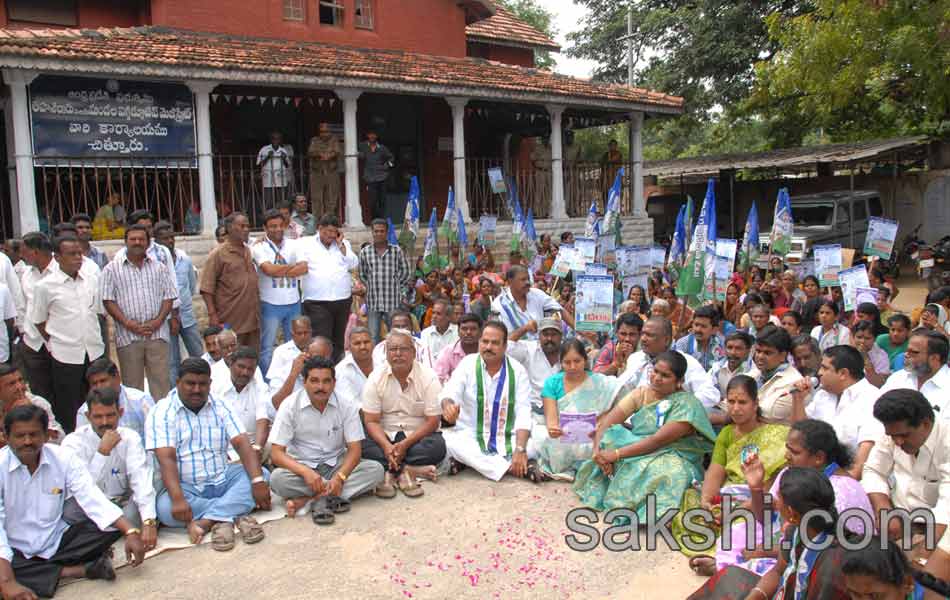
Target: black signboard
(100, 119)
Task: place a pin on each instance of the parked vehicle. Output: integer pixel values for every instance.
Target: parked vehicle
(903, 253)
(936, 266)
(825, 218)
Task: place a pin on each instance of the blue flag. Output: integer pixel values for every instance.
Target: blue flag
(678, 246)
(410, 224)
(749, 252)
(782, 224)
(391, 233)
(430, 255)
(611, 222)
(702, 249)
(591, 227)
(463, 235)
(447, 230)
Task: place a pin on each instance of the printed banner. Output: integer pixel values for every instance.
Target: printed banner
(497, 179)
(487, 225)
(585, 252)
(880, 239)
(563, 261)
(850, 280)
(594, 303)
(827, 264)
(607, 251)
(577, 428)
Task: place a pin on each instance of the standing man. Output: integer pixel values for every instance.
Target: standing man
(190, 433)
(442, 333)
(276, 163)
(277, 275)
(470, 330)
(377, 160)
(386, 275)
(402, 415)
(488, 399)
(521, 307)
(37, 251)
(138, 294)
(328, 285)
(187, 278)
(65, 309)
(229, 284)
(303, 217)
(83, 223)
(324, 153)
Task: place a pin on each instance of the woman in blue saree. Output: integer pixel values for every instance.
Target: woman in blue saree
(660, 455)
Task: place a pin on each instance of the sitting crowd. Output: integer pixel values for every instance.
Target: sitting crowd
(777, 399)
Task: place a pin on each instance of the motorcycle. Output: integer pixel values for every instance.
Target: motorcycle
(937, 264)
(907, 250)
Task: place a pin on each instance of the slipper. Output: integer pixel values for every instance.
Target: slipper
(222, 536)
(251, 530)
(101, 568)
(535, 474)
(338, 505)
(320, 513)
(386, 489)
(409, 487)
(706, 568)
(455, 467)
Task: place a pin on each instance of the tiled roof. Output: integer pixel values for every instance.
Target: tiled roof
(507, 29)
(159, 50)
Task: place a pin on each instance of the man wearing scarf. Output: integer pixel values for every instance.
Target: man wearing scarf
(488, 399)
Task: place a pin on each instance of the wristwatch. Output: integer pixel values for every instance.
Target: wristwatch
(520, 449)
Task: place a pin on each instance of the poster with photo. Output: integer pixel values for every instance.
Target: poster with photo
(827, 264)
(594, 303)
(880, 237)
(850, 280)
(487, 226)
(585, 252)
(563, 261)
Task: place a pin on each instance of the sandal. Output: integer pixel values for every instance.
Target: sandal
(222, 536)
(409, 487)
(535, 473)
(338, 505)
(251, 530)
(455, 467)
(703, 565)
(386, 489)
(321, 513)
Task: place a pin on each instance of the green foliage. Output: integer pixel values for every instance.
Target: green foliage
(538, 17)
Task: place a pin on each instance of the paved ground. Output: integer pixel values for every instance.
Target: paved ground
(467, 537)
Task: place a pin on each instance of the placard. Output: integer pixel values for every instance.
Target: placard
(606, 251)
(93, 118)
(585, 252)
(497, 180)
(577, 428)
(880, 237)
(643, 260)
(722, 267)
(595, 269)
(658, 257)
(827, 264)
(487, 225)
(594, 303)
(563, 261)
(865, 294)
(804, 269)
(850, 280)
(626, 260)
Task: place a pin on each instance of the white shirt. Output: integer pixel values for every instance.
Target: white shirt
(31, 335)
(435, 341)
(31, 506)
(250, 405)
(697, 380)
(54, 426)
(70, 308)
(275, 290)
(532, 358)
(461, 389)
(274, 173)
(422, 353)
(135, 407)
(7, 311)
(936, 389)
(126, 471)
(221, 372)
(837, 336)
(281, 364)
(921, 481)
(328, 277)
(851, 414)
(350, 380)
(12, 278)
(510, 313)
(158, 253)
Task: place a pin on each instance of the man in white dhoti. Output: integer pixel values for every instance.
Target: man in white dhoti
(488, 399)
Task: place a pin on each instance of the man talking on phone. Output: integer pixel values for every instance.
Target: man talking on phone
(328, 286)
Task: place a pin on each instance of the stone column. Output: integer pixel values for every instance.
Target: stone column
(460, 183)
(354, 212)
(636, 160)
(29, 219)
(209, 210)
(558, 209)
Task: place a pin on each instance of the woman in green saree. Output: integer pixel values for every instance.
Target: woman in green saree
(573, 396)
(748, 434)
(659, 456)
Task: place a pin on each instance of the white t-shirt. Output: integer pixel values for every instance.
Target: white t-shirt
(7, 311)
(276, 290)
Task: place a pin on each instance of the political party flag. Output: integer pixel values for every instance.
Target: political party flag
(391, 233)
(410, 225)
(611, 223)
(781, 238)
(430, 256)
(678, 247)
(749, 252)
(702, 248)
(448, 228)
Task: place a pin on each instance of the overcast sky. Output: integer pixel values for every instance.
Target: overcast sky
(567, 17)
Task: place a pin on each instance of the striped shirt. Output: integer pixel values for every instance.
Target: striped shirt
(201, 440)
(386, 277)
(139, 293)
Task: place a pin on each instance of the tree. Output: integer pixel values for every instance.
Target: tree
(538, 17)
(859, 69)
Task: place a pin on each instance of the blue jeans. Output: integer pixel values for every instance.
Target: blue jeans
(272, 317)
(374, 319)
(193, 344)
(226, 501)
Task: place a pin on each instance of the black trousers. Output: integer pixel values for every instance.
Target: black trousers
(329, 318)
(430, 450)
(39, 370)
(82, 543)
(376, 197)
(69, 391)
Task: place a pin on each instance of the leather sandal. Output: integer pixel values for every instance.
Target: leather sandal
(409, 487)
(251, 531)
(222, 536)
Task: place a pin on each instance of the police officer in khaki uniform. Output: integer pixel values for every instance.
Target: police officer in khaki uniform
(324, 152)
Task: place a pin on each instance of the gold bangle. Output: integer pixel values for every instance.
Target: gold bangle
(617, 450)
(341, 475)
(132, 531)
(150, 522)
(759, 590)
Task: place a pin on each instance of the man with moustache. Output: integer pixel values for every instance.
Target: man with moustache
(470, 330)
(925, 370)
(488, 399)
(356, 366)
(247, 396)
(38, 548)
(293, 381)
(116, 460)
(103, 373)
(541, 358)
(190, 433)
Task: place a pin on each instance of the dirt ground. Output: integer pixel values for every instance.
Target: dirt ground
(467, 537)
